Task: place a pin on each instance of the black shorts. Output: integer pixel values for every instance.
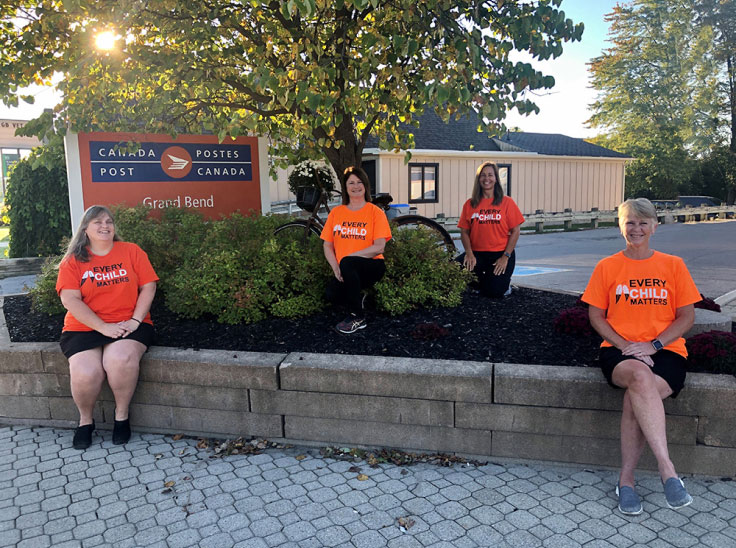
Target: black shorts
(671, 366)
(73, 342)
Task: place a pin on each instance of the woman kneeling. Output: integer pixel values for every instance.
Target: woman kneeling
(107, 287)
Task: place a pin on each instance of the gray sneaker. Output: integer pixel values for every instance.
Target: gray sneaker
(676, 494)
(351, 324)
(629, 502)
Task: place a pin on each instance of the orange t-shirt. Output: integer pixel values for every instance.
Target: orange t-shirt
(489, 224)
(109, 283)
(351, 231)
(641, 298)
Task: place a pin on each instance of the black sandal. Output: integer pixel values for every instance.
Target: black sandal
(83, 436)
(121, 432)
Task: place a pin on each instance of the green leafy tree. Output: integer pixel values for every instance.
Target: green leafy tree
(38, 203)
(317, 76)
(666, 88)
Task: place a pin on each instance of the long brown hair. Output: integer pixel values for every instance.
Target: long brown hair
(78, 246)
(477, 194)
(360, 174)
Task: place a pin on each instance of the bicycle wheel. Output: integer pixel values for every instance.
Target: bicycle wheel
(443, 237)
(299, 230)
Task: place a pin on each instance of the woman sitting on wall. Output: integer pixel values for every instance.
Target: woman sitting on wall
(490, 224)
(355, 236)
(107, 287)
(641, 303)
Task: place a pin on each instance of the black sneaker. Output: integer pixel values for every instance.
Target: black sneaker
(121, 432)
(351, 324)
(83, 436)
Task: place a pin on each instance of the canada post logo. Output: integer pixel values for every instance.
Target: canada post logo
(113, 162)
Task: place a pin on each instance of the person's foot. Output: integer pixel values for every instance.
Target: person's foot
(629, 502)
(83, 436)
(676, 494)
(351, 324)
(121, 432)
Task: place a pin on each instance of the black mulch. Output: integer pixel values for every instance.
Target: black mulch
(516, 329)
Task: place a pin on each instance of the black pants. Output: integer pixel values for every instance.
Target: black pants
(358, 273)
(490, 284)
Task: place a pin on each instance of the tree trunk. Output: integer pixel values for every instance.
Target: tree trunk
(349, 154)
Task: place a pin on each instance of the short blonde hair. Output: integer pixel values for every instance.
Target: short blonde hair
(640, 208)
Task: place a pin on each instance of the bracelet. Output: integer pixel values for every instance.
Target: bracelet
(135, 320)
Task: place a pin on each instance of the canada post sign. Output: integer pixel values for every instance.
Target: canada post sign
(193, 171)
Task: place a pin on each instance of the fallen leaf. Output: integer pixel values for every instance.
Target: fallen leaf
(177, 437)
(354, 469)
(158, 456)
(202, 444)
(362, 477)
(166, 491)
(301, 457)
(183, 452)
(405, 523)
(169, 484)
(187, 478)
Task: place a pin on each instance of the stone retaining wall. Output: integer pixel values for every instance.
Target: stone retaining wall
(556, 413)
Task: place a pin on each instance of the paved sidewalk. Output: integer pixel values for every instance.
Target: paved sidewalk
(159, 492)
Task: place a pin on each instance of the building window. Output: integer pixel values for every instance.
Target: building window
(504, 173)
(423, 180)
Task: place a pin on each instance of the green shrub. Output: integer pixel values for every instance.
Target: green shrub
(419, 272)
(236, 270)
(43, 295)
(37, 202)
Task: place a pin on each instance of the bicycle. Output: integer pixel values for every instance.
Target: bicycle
(314, 199)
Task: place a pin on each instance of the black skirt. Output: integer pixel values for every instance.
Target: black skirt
(73, 342)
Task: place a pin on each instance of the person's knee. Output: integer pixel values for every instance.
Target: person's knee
(121, 362)
(86, 374)
(641, 378)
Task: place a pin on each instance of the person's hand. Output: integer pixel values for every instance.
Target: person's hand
(641, 351)
(129, 326)
(337, 273)
(113, 330)
(469, 261)
(499, 267)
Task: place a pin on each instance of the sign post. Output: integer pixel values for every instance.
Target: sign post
(190, 171)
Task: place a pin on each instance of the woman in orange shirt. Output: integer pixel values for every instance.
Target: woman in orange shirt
(355, 236)
(641, 303)
(490, 225)
(107, 287)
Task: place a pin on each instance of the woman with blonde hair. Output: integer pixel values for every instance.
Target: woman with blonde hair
(106, 286)
(641, 303)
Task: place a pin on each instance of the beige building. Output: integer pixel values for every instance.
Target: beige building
(550, 172)
(12, 148)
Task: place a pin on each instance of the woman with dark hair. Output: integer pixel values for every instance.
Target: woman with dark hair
(107, 287)
(641, 304)
(490, 225)
(355, 236)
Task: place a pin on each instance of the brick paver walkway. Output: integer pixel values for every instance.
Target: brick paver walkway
(159, 492)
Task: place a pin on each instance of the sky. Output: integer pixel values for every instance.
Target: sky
(563, 109)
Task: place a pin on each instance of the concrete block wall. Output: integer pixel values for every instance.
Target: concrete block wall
(563, 414)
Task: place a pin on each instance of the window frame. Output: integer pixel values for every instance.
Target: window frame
(507, 192)
(424, 165)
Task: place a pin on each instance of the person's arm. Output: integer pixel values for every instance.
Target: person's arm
(684, 318)
(329, 250)
(142, 305)
(499, 267)
(378, 247)
(469, 261)
(72, 301)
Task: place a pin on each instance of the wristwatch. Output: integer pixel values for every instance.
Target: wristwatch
(508, 255)
(657, 345)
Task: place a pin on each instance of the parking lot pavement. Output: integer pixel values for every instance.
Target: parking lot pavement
(159, 492)
(706, 248)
